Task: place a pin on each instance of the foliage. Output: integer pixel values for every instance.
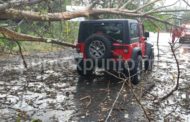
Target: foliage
(51, 6)
(6, 45)
(64, 30)
(149, 26)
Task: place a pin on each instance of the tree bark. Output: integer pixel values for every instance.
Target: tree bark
(37, 16)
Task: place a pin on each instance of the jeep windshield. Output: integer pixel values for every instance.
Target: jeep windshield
(111, 30)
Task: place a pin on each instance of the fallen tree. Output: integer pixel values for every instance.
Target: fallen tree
(9, 10)
(14, 36)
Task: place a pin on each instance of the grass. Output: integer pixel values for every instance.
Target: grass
(38, 47)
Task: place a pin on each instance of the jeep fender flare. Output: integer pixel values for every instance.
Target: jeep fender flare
(136, 51)
(149, 48)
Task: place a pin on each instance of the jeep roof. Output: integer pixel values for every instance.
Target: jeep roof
(110, 20)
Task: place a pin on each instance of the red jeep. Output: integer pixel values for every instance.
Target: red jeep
(115, 45)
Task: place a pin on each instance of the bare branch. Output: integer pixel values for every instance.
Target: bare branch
(138, 101)
(118, 95)
(9, 34)
(186, 3)
(127, 83)
(162, 21)
(22, 56)
(125, 4)
(178, 75)
(154, 10)
(169, 14)
(171, 10)
(146, 5)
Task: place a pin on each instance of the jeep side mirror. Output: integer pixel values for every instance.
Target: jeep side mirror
(147, 34)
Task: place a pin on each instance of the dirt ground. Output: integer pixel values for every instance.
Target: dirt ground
(50, 90)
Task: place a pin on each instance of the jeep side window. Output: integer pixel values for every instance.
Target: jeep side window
(141, 29)
(134, 32)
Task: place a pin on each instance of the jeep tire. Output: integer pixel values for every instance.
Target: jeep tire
(136, 72)
(98, 47)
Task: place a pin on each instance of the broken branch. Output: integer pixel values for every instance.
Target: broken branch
(127, 3)
(9, 34)
(146, 5)
(178, 75)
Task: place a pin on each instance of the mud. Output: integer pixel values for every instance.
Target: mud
(51, 90)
